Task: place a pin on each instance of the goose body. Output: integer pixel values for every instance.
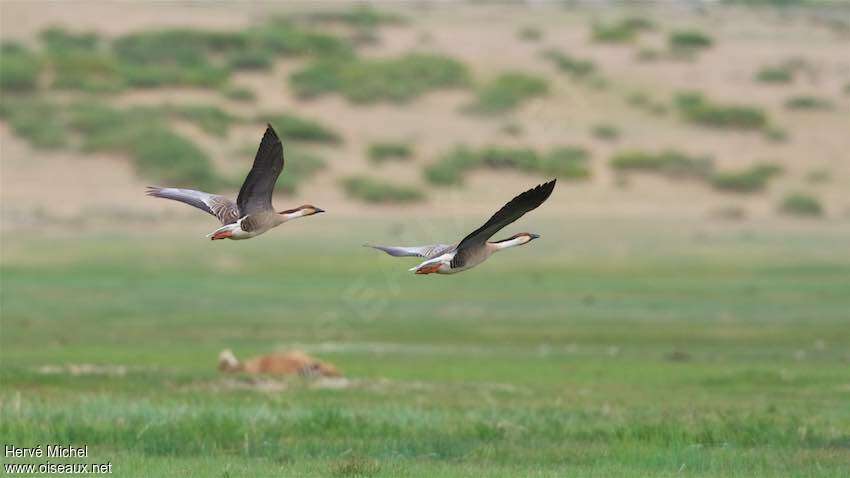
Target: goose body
(252, 213)
(476, 247)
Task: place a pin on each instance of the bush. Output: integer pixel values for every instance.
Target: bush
(808, 103)
(361, 16)
(570, 65)
(88, 71)
(775, 74)
(800, 204)
(372, 80)
(507, 92)
(531, 34)
(775, 134)
(689, 40)
(386, 151)
(157, 153)
(239, 93)
(39, 122)
(699, 110)
(563, 162)
(668, 163)
(211, 119)
(251, 60)
(606, 132)
(749, 180)
(58, 40)
(376, 191)
(300, 166)
(294, 128)
(19, 68)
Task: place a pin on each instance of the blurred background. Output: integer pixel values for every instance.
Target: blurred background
(685, 309)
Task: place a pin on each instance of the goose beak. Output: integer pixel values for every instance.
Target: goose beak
(534, 236)
(318, 211)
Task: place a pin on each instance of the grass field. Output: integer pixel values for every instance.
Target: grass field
(604, 349)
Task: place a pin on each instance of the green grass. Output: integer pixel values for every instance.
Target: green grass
(775, 74)
(238, 93)
(530, 34)
(389, 151)
(667, 163)
(507, 92)
(37, 121)
(562, 162)
(808, 102)
(376, 191)
(396, 80)
(625, 30)
(358, 17)
(801, 205)
(642, 349)
(605, 132)
(19, 68)
(575, 67)
(695, 108)
(689, 40)
(752, 179)
(296, 128)
(158, 154)
(211, 119)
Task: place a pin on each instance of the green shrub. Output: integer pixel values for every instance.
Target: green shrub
(689, 40)
(373, 80)
(749, 180)
(19, 68)
(648, 54)
(570, 65)
(775, 134)
(300, 166)
(818, 176)
(294, 128)
(775, 74)
(563, 162)
(360, 16)
(376, 191)
(57, 40)
(531, 34)
(622, 31)
(801, 204)
(668, 163)
(808, 103)
(239, 93)
(253, 59)
(286, 39)
(157, 153)
(606, 132)
(88, 71)
(698, 109)
(211, 119)
(389, 151)
(507, 92)
(37, 121)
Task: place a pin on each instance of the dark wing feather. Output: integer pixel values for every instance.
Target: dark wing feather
(510, 212)
(256, 192)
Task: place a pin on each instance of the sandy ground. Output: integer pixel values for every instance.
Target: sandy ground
(40, 186)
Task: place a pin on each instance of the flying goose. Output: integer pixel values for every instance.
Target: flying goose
(252, 214)
(476, 248)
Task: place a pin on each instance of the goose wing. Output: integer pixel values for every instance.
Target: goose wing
(428, 252)
(256, 192)
(510, 212)
(219, 206)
